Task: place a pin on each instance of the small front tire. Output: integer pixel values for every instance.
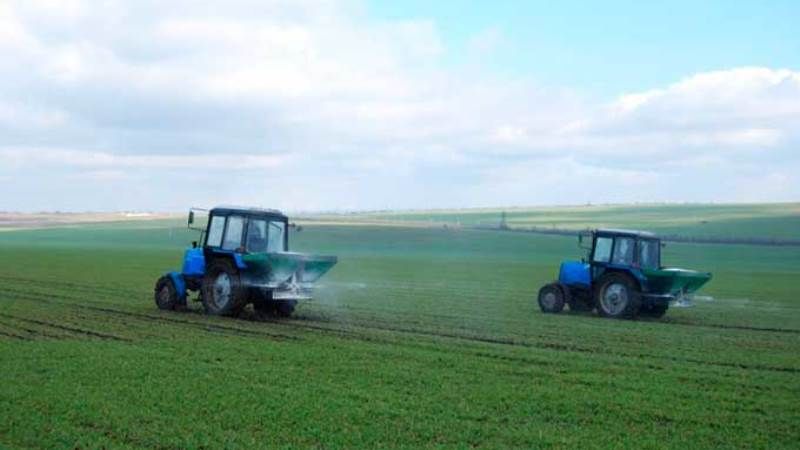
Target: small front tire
(551, 298)
(166, 295)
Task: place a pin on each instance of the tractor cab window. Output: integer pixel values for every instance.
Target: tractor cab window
(623, 251)
(649, 257)
(257, 236)
(602, 249)
(215, 231)
(233, 233)
(276, 236)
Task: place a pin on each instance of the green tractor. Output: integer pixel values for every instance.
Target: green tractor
(622, 278)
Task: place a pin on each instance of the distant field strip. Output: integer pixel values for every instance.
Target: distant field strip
(762, 224)
(750, 240)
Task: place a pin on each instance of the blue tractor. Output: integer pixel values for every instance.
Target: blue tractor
(622, 278)
(242, 257)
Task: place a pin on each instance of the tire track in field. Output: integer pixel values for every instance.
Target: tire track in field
(540, 345)
(205, 326)
(505, 321)
(12, 335)
(732, 327)
(74, 286)
(33, 333)
(48, 298)
(148, 318)
(317, 325)
(57, 326)
(407, 290)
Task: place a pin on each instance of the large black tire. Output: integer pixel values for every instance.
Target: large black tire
(551, 298)
(617, 296)
(222, 291)
(656, 311)
(165, 294)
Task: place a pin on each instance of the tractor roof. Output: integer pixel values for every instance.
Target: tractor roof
(620, 232)
(225, 210)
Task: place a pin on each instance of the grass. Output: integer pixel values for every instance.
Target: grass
(776, 220)
(418, 338)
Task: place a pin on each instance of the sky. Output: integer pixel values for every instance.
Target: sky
(321, 105)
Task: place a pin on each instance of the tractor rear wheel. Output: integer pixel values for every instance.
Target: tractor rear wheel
(551, 298)
(617, 296)
(223, 293)
(166, 295)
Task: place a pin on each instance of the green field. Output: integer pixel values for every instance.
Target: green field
(420, 337)
(776, 220)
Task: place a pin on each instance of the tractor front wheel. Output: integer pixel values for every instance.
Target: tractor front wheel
(551, 298)
(166, 295)
(223, 293)
(617, 296)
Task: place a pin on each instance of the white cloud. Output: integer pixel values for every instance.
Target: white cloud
(486, 40)
(317, 90)
(44, 157)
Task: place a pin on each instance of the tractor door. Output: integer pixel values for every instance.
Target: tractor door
(615, 253)
(224, 238)
(601, 255)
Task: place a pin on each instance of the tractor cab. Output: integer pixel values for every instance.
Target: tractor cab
(623, 250)
(231, 233)
(246, 231)
(621, 276)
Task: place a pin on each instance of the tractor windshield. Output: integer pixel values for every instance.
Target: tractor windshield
(649, 254)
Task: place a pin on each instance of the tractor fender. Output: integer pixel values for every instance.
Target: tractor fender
(238, 261)
(636, 275)
(180, 285)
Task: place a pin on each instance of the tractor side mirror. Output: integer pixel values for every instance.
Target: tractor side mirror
(663, 244)
(582, 236)
(296, 227)
(191, 218)
(194, 244)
